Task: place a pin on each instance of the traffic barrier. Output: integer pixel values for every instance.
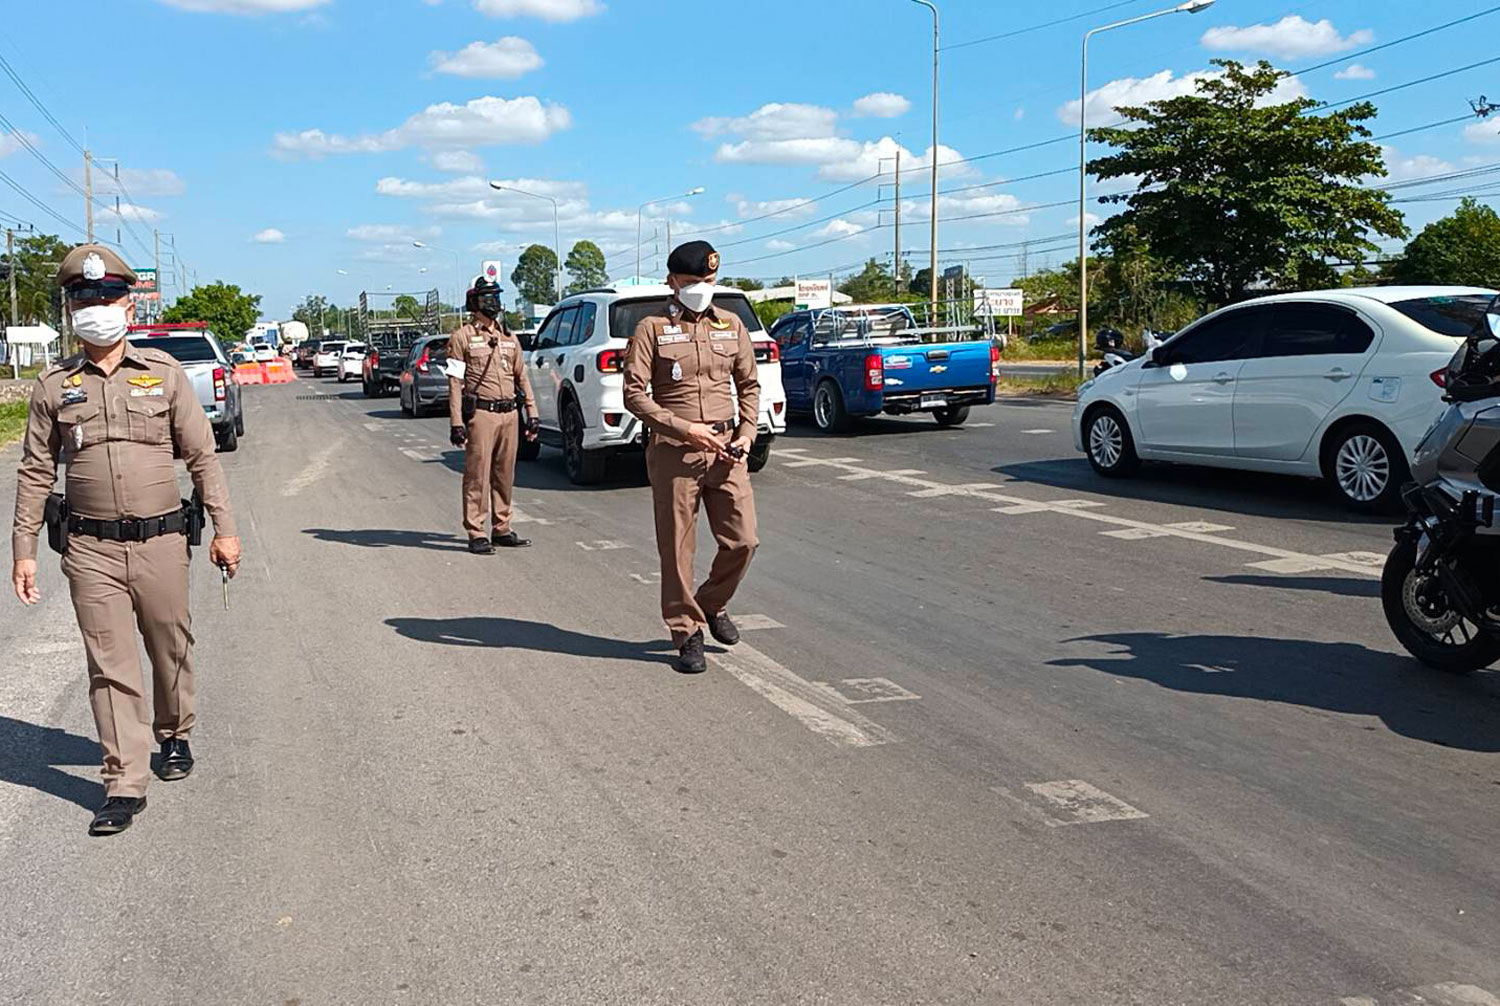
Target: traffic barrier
(249, 373)
(279, 371)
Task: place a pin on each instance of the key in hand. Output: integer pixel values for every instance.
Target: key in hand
(224, 578)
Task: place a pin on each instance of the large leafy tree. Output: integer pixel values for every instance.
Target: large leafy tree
(222, 306)
(585, 264)
(1234, 191)
(748, 285)
(1462, 249)
(314, 311)
(406, 306)
(873, 284)
(36, 261)
(535, 275)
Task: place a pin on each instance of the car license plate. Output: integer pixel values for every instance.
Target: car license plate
(934, 401)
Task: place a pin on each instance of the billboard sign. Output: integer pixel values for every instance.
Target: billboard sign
(145, 281)
(999, 303)
(813, 294)
(491, 270)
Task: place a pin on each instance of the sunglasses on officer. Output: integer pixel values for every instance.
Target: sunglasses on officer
(94, 291)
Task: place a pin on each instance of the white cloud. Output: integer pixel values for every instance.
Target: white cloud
(1130, 91)
(11, 142)
(809, 150)
(781, 207)
(505, 59)
(130, 211)
(879, 157)
(547, 10)
(882, 105)
(776, 244)
(775, 121)
(134, 181)
(458, 161)
(839, 228)
(269, 236)
(1486, 133)
(392, 232)
(243, 6)
(475, 186)
(482, 122)
(1094, 220)
(1355, 71)
(1399, 168)
(1293, 37)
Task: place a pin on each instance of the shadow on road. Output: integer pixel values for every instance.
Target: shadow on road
(1350, 586)
(389, 538)
(386, 414)
(1456, 712)
(546, 472)
(802, 428)
(516, 634)
(29, 755)
(1252, 494)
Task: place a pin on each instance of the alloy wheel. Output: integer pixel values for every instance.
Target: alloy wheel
(1362, 467)
(823, 407)
(1106, 441)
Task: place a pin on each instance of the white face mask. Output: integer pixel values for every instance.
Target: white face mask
(101, 324)
(696, 297)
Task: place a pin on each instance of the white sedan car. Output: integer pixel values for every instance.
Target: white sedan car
(326, 359)
(1339, 383)
(264, 353)
(352, 362)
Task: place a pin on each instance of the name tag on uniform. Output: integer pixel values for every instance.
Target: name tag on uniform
(73, 396)
(477, 340)
(507, 345)
(724, 335)
(671, 337)
(147, 392)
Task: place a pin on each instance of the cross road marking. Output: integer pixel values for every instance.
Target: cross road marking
(1074, 801)
(806, 463)
(826, 716)
(1201, 526)
(858, 691)
(600, 546)
(1135, 533)
(750, 623)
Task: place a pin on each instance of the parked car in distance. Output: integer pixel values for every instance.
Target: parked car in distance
(351, 361)
(1338, 384)
(302, 356)
(209, 370)
(845, 362)
(326, 359)
(576, 362)
(265, 353)
(423, 384)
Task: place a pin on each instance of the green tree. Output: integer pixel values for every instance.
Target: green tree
(1234, 191)
(747, 285)
(1460, 250)
(873, 284)
(406, 306)
(770, 310)
(315, 311)
(36, 261)
(227, 311)
(586, 265)
(535, 275)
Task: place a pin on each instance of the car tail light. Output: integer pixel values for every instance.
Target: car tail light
(767, 352)
(221, 391)
(1440, 377)
(611, 361)
(994, 363)
(776, 407)
(874, 372)
(374, 358)
(613, 418)
(424, 360)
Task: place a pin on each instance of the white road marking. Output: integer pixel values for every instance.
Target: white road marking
(1012, 504)
(817, 461)
(858, 691)
(1201, 526)
(1441, 994)
(1077, 504)
(801, 699)
(601, 546)
(862, 476)
(646, 577)
(313, 470)
(1291, 564)
(751, 623)
(979, 426)
(373, 427)
(421, 455)
(1135, 533)
(940, 490)
(1077, 802)
(39, 649)
(519, 516)
(1037, 433)
(1374, 560)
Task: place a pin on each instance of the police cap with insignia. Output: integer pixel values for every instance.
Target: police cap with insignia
(696, 258)
(483, 297)
(94, 272)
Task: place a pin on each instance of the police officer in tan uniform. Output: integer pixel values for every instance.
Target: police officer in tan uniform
(683, 368)
(116, 413)
(485, 368)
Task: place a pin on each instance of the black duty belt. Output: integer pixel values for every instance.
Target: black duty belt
(724, 425)
(130, 528)
(502, 405)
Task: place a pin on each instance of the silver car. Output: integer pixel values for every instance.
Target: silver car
(424, 386)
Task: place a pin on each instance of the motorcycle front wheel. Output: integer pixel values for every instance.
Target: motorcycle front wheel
(1424, 621)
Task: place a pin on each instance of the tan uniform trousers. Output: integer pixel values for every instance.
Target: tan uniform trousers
(490, 470)
(680, 478)
(119, 588)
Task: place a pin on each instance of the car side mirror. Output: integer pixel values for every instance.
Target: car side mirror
(1493, 317)
(525, 340)
(1157, 357)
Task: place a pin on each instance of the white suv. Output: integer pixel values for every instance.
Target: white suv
(576, 360)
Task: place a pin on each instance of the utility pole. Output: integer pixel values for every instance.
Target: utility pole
(896, 263)
(119, 243)
(10, 262)
(932, 285)
(88, 194)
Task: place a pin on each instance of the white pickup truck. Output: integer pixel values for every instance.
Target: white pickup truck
(208, 368)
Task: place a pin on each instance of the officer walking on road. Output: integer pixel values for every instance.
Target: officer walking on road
(683, 369)
(116, 414)
(487, 390)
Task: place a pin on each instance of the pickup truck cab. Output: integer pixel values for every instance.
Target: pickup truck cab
(842, 363)
(576, 362)
(207, 367)
(385, 356)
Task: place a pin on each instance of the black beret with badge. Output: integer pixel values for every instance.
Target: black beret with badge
(94, 272)
(695, 258)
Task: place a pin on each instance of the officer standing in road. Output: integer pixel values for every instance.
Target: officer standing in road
(116, 413)
(683, 369)
(487, 389)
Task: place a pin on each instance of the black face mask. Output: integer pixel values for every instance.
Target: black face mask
(488, 304)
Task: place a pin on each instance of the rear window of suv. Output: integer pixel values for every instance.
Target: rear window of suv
(626, 314)
(183, 348)
(1455, 316)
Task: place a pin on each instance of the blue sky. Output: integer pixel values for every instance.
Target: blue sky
(279, 141)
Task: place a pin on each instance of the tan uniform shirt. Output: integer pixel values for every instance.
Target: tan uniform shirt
(493, 374)
(680, 371)
(117, 434)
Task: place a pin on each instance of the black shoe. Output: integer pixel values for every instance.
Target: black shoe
(176, 760)
(481, 546)
(116, 814)
(723, 628)
(510, 540)
(690, 658)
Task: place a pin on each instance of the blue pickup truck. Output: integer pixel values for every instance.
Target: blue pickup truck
(845, 362)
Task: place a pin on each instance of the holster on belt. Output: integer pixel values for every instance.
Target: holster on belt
(192, 512)
(55, 515)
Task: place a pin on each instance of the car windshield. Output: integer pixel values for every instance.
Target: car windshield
(331, 347)
(183, 348)
(627, 314)
(1456, 316)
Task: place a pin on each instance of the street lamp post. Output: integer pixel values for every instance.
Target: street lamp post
(651, 202)
(1190, 7)
(556, 242)
(932, 267)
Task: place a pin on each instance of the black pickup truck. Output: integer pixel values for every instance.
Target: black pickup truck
(388, 346)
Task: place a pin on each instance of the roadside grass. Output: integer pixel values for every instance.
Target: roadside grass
(1019, 350)
(12, 421)
(1063, 384)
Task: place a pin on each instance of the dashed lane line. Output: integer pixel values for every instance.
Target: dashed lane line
(601, 546)
(1074, 801)
(1090, 510)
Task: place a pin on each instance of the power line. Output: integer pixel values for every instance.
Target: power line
(1039, 27)
(21, 84)
(24, 194)
(1395, 41)
(787, 209)
(1401, 87)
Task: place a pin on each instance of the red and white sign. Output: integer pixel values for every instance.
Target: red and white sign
(491, 270)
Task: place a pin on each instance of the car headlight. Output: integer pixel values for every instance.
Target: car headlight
(1086, 385)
